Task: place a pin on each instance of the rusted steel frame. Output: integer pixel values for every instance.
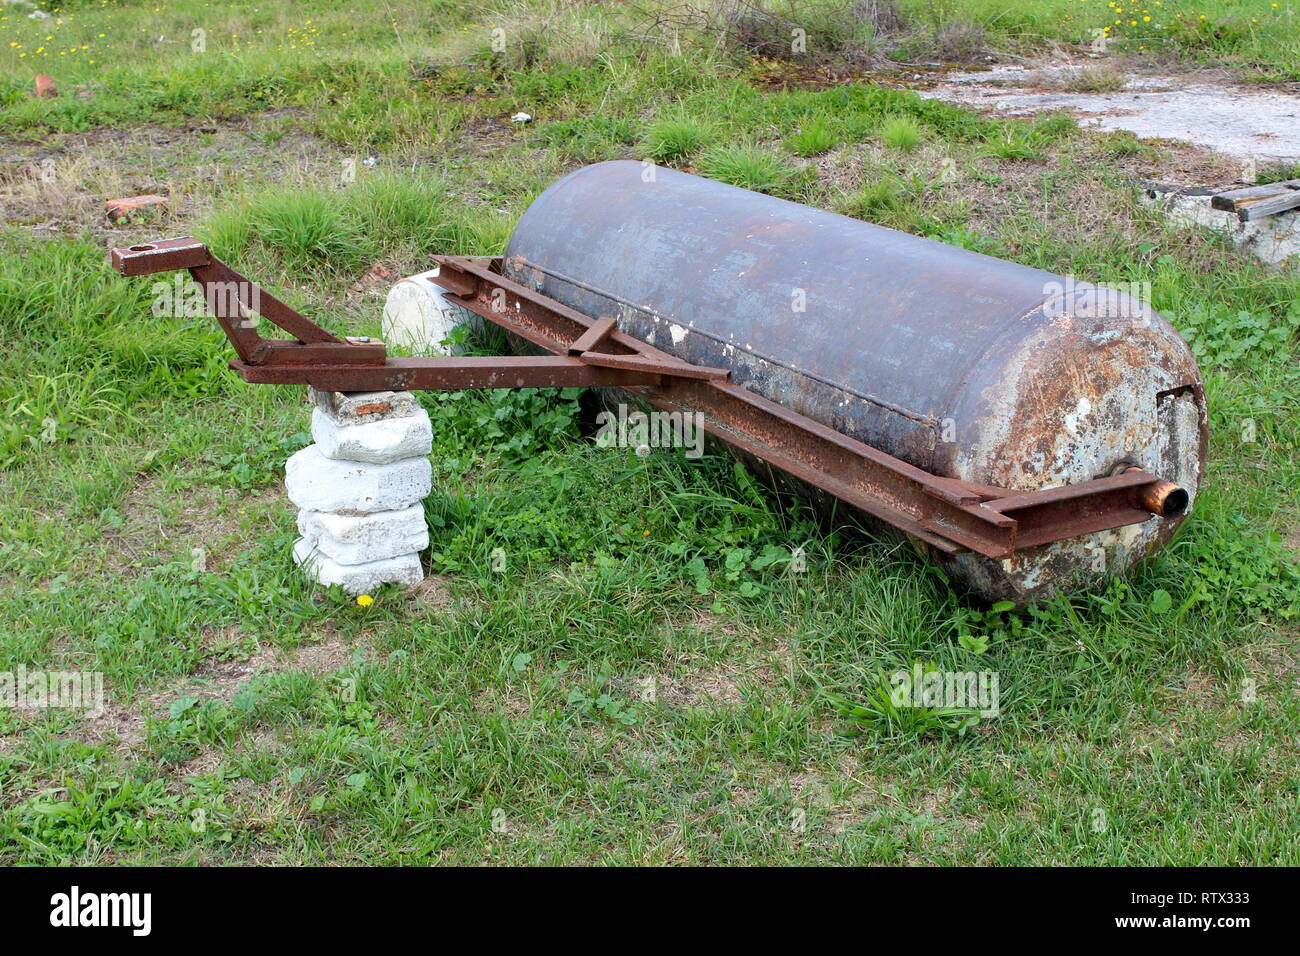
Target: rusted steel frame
(448, 374)
(863, 476)
(164, 255)
(325, 361)
(1098, 510)
(253, 298)
(239, 328)
(906, 497)
(734, 417)
(233, 300)
(169, 255)
(532, 316)
(946, 513)
(647, 363)
(896, 492)
(290, 352)
(594, 335)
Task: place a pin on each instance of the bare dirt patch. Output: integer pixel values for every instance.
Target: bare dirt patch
(1196, 688)
(512, 702)
(160, 523)
(333, 653)
(59, 186)
(722, 685)
(1274, 660)
(219, 678)
(486, 137)
(433, 592)
(725, 683)
(116, 724)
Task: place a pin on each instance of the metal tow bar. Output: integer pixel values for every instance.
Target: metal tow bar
(948, 514)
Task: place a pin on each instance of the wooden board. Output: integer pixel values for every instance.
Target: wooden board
(1256, 202)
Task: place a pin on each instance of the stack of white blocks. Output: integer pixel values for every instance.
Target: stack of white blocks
(359, 489)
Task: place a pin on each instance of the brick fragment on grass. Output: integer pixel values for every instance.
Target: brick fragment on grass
(119, 209)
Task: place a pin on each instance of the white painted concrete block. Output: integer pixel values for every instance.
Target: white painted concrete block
(318, 483)
(390, 439)
(1273, 239)
(355, 408)
(418, 316)
(359, 539)
(357, 578)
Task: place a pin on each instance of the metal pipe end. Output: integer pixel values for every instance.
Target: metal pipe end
(1164, 498)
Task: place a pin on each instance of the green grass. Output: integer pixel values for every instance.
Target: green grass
(620, 661)
(342, 228)
(817, 136)
(751, 167)
(901, 133)
(1260, 38)
(674, 139)
(876, 200)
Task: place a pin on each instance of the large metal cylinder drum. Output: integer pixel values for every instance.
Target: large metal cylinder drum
(959, 363)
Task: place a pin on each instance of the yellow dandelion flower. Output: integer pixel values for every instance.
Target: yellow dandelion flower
(365, 600)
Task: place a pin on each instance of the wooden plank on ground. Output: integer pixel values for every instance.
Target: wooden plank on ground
(1235, 200)
(1259, 208)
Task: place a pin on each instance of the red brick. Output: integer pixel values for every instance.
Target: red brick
(121, 208)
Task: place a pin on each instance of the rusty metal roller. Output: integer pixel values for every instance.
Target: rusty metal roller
(959, 363)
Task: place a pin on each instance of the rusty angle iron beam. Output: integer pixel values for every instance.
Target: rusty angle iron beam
(948, 514)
